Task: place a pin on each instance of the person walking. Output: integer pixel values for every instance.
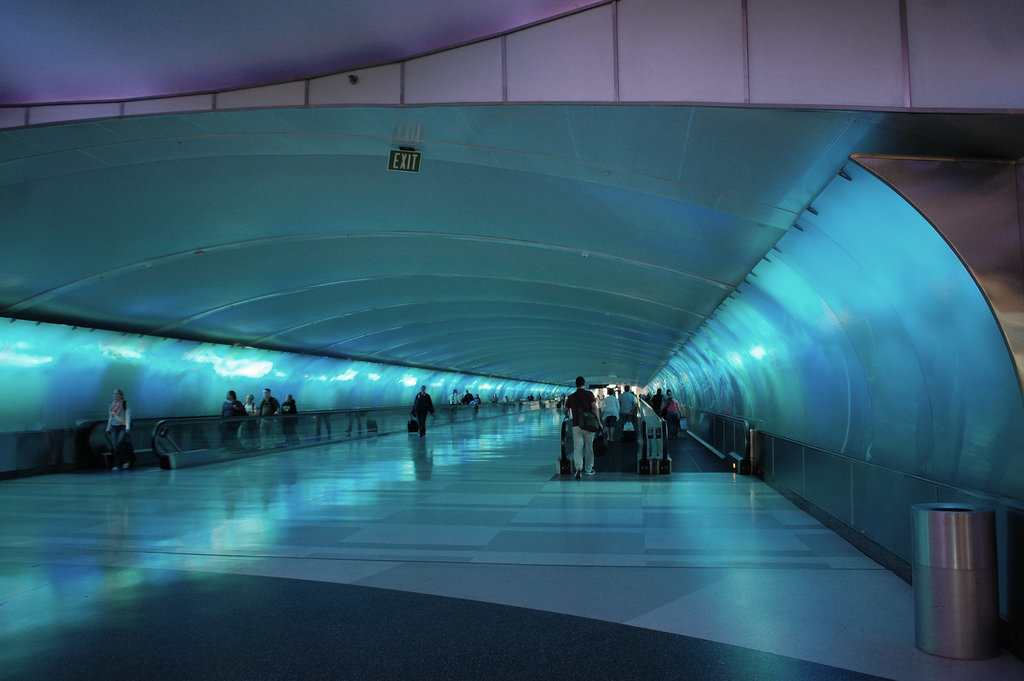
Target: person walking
(247, 431)
(289, 420)
(672, 414)
(627, 410)
(421, 406)
(230, 411)
(582, 439)
(269, 408)
(656, 401)
(610, 412)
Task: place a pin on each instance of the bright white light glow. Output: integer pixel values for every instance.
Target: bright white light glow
(18, 359)
(244, 367)
(119, 351)
(230, 367)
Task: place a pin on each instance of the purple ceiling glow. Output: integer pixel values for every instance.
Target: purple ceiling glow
(88, 50)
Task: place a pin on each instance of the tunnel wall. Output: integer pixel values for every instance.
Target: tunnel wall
(874, 363)
(59, 379)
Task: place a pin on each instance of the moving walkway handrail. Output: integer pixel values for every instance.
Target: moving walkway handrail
(241, 436)
(735, 430)
(646, 415)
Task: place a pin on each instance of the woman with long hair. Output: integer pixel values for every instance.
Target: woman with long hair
(119, 425)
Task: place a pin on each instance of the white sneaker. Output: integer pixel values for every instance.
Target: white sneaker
(116, 468)
(125, 467)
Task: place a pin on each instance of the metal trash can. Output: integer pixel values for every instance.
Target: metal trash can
(956, 581)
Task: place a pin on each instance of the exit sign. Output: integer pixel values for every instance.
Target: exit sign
(405, 161)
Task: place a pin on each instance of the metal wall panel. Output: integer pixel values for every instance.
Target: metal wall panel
(788, 465)
(976, 207)
(378, 85)
(13, 117)
(39, 115)
(956, 55)
(466, 74)
(876, 503)
(169, 105)
(681, 51)
(881, 505)
(831, 53)
(966, 54)
(285, 94)
(863, 334)
(827, 482)
(571, 60)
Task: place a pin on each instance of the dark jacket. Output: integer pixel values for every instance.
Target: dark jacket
(232, 408)
(289, 409)
(422, 404)
(580, 401)
(269, 406)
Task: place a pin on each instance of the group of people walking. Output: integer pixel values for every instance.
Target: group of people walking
(232, 410)
(618, 415)
(617, 412)
(667, 407)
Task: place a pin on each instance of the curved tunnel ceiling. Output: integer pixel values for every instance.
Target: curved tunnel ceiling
(537, 242)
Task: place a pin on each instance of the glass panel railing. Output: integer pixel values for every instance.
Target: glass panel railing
(726, 435)
(182, 442)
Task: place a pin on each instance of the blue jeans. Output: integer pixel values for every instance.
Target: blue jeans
(116, 435)
(673, 423)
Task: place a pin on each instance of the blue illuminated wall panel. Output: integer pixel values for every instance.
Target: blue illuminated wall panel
(60, 377)
(863, 333)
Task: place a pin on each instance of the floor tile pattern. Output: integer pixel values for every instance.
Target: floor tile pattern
(473, 511)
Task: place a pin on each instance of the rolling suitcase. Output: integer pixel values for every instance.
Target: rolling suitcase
(414, 426)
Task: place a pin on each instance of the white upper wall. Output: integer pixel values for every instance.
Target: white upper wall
(954, 55)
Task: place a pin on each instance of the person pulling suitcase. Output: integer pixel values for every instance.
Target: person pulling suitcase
(421, 406)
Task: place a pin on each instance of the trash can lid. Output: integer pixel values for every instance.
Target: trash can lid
(951, 507)
(954, 536)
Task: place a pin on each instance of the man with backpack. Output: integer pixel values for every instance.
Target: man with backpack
(671, 413)
(579, 405)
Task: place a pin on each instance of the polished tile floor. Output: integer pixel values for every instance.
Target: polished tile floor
(473, 511)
